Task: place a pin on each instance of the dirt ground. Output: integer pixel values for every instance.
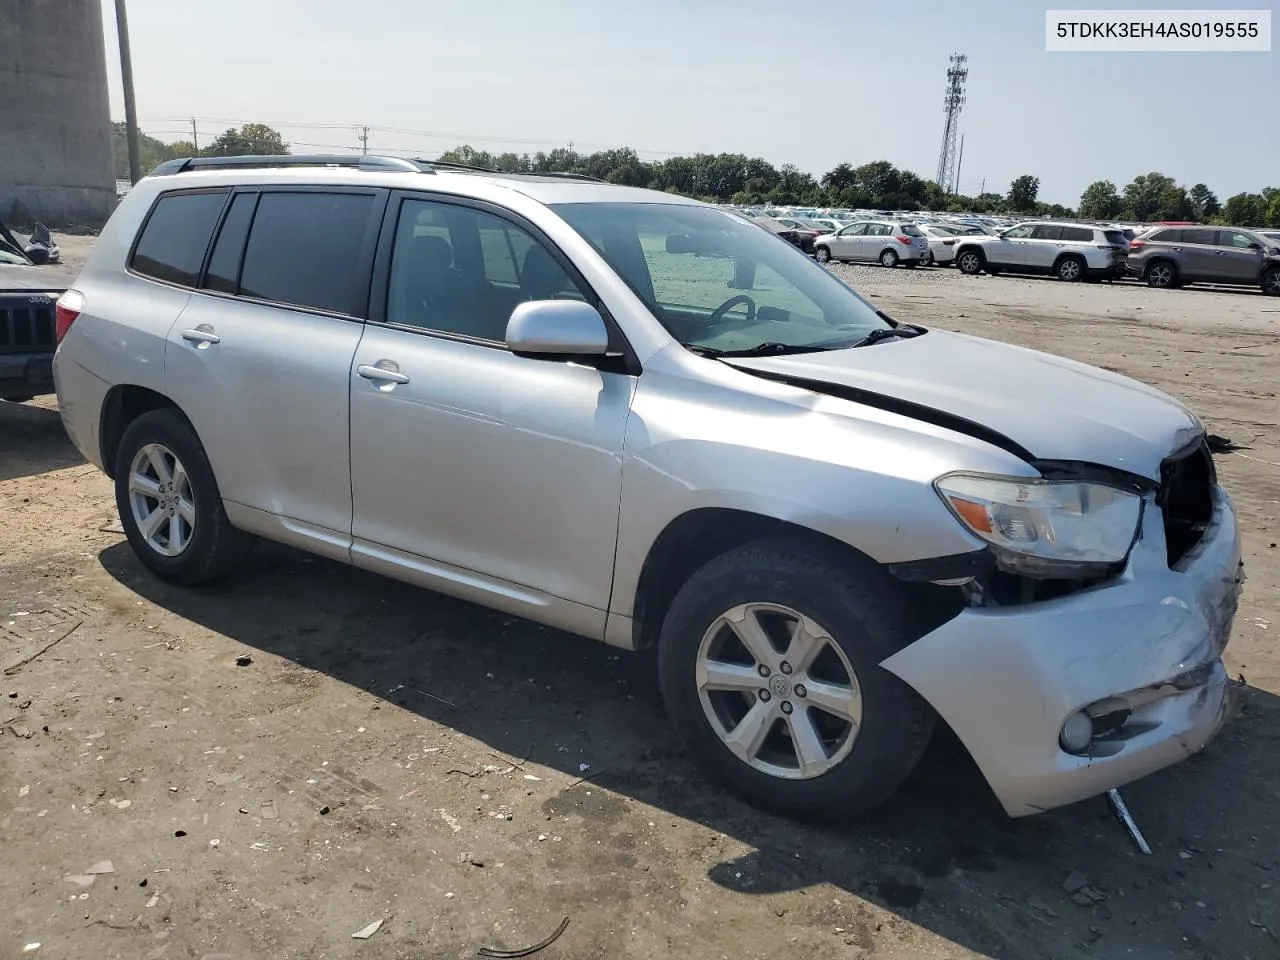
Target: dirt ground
(389, 754)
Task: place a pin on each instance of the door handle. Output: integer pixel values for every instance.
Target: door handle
(1220, 253)
(378, 372)
(200, 336)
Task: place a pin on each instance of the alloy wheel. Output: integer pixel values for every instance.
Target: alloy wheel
(161, 499)
(778, 691)
(1160, 275)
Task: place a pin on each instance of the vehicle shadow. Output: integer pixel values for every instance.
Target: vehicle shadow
(33, 441)
(940, 854)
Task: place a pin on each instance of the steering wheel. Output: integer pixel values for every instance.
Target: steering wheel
(719, 312)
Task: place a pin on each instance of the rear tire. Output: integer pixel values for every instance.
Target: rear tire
(823, 254)
(971, 262)
(1070, 269)
(1271, 282)
(162, 471)
(888, 258)
(799, 765)
(1161, 274)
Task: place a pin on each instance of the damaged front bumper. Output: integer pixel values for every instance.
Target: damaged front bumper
(1141, 655)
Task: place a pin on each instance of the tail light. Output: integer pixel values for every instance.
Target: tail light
(1137, 244)
(903, 239)
(65, 312)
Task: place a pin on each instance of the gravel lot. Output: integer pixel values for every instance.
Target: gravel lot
(388, 754)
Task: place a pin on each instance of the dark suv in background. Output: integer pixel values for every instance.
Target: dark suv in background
(1176, 256)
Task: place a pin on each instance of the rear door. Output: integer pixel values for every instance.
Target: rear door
(1043, 246)
(1199, 260)
(259, 359)
(1239, 257)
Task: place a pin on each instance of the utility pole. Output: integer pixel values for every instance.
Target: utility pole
(195, 137)
(130, 107)
(364, 140)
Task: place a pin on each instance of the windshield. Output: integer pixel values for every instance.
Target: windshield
(719, 282)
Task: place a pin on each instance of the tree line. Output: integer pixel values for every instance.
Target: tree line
(739, 179)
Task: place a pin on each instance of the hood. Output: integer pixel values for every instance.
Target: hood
(1039, 406)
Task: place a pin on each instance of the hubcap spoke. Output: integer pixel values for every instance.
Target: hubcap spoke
(144, 485)
(804, 646)
(176, 541)
(836, 699)
(187, 511)
(157, 459)
(810, 753)
(749, 735)
(151, 524)
(753, 637)
(717, 675)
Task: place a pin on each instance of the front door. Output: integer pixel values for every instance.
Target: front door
(466, 459)
(1010, 249)
(844, 245)
(259, 359)
(1239, 257)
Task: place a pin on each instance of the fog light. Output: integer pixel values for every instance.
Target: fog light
(1077, 733)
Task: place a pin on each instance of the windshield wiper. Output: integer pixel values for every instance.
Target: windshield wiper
(892, 333)
(767, 349)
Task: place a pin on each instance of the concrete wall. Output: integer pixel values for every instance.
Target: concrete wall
(55, 133)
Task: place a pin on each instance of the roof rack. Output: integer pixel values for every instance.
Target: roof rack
(450, 165)
(360, 161)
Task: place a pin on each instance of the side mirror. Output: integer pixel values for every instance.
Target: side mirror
(557, 328)
(1255, 246)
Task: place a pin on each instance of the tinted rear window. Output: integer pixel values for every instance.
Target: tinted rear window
(1116, 236)
(1047, 231)
(1078, 234)
(911, 230)
(176, 236)
(304, 249)
(1200, 236)
(224, 264)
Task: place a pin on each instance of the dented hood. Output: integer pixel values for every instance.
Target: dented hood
(1048, 407)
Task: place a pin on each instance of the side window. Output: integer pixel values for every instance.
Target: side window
(857, 230)
(223, 274)
(1207, 237)
(1084, 235)
(176, 236)
(1017, 233)
(1047, 231)
(878, 230)
(460, 270)
(1234, 238)
(304, 250)
(1165, 236)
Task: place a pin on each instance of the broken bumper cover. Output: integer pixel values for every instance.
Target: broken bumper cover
(1006, 678)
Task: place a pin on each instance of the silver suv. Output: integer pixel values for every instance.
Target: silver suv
(1068, 251)
(644, 420)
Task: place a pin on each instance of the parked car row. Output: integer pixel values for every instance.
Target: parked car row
(1161, 255)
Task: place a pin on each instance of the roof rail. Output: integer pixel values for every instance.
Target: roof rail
(360, 161)
(450, 165)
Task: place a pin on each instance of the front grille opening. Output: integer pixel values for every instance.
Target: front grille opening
(1186, 500)
(26, 327)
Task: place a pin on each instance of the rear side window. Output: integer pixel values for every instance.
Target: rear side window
(176, 236)
(1165, 236)
(1209, 237)
(304, 249)
(1047, 231)
(224, 265)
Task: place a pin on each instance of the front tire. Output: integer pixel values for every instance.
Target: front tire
(888, 258)
(823, 255)
(769, 663)
(1271, 282)
(169, 502)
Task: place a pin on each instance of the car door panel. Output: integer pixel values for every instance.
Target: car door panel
(1198, 260)
(490, 472)
(1042, 247)
(264, 381)
(1237, 262)
(1010, 248)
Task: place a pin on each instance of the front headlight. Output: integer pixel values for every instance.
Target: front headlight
(1045, 528)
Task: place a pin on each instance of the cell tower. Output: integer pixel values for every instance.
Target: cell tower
(952, 101)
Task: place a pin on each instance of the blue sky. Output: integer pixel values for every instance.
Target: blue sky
(812, 84)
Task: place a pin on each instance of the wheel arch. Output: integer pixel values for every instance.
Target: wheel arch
(1162, 258)
(694, 538)
(123, 404)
